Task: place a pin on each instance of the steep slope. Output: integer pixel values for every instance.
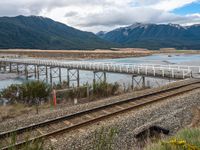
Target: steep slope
(43, 33)
(154, 36)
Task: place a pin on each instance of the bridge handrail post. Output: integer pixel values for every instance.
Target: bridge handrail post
(133, 68)
(127, 68)
(163, 72)
(172, 72)
(154, 71)
(146, 70)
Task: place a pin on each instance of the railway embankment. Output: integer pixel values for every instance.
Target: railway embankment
(172, 114)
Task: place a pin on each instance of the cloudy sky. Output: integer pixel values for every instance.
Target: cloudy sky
(96, 15)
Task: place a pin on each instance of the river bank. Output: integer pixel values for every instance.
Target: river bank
(78, 54)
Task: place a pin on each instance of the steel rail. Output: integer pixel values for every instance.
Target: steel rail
(101, 117)
(162, 96)
(31, 127)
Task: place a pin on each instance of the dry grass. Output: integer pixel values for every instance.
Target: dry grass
(16, 110)
(12, 111)
(79, 54)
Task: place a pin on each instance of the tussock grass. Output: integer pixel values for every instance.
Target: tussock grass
(186, 139)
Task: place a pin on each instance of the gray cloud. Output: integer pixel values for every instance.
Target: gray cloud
(94, 15)
(71, 14)
(34, 7)
(130, 16)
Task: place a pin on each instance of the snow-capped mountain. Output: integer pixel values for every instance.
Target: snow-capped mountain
(155, 36)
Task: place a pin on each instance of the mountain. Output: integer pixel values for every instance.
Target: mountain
(153, 36)
(36, 32)
(101, 33)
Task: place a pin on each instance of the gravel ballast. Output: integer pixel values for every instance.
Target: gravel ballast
(172, 114)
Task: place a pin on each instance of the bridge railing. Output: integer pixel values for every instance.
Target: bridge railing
(138, 69)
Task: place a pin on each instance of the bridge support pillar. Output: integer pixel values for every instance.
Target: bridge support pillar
(99, 77)
(143, 82)
(10, 67)
(17, 65)
(1, 65)
(46, 72)
(60, 75)
(26, 71)
(55, 72)
(38, 72)
(138, 82)
(35, 71)
(73, 75)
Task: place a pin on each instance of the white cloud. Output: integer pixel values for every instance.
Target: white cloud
(95, 15)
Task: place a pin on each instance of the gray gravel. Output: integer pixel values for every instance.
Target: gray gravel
(172, 114)
(29, 119)
(25, 120)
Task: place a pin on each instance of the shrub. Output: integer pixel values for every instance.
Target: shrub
(104, 139)
(28, 93)
(185, 139)
(104, 89)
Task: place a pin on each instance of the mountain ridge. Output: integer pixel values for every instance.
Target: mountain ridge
(156, 36)
(36, 32)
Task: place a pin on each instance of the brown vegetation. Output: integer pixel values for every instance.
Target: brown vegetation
(80, 54)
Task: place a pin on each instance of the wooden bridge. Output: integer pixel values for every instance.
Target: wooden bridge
(53, 68)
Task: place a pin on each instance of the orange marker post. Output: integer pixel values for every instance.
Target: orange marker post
(54, 98)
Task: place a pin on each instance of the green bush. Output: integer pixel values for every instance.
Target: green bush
(27, 93)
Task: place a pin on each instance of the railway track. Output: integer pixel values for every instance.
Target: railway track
(71, 122)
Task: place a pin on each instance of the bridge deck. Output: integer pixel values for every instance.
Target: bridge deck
(151, 70)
